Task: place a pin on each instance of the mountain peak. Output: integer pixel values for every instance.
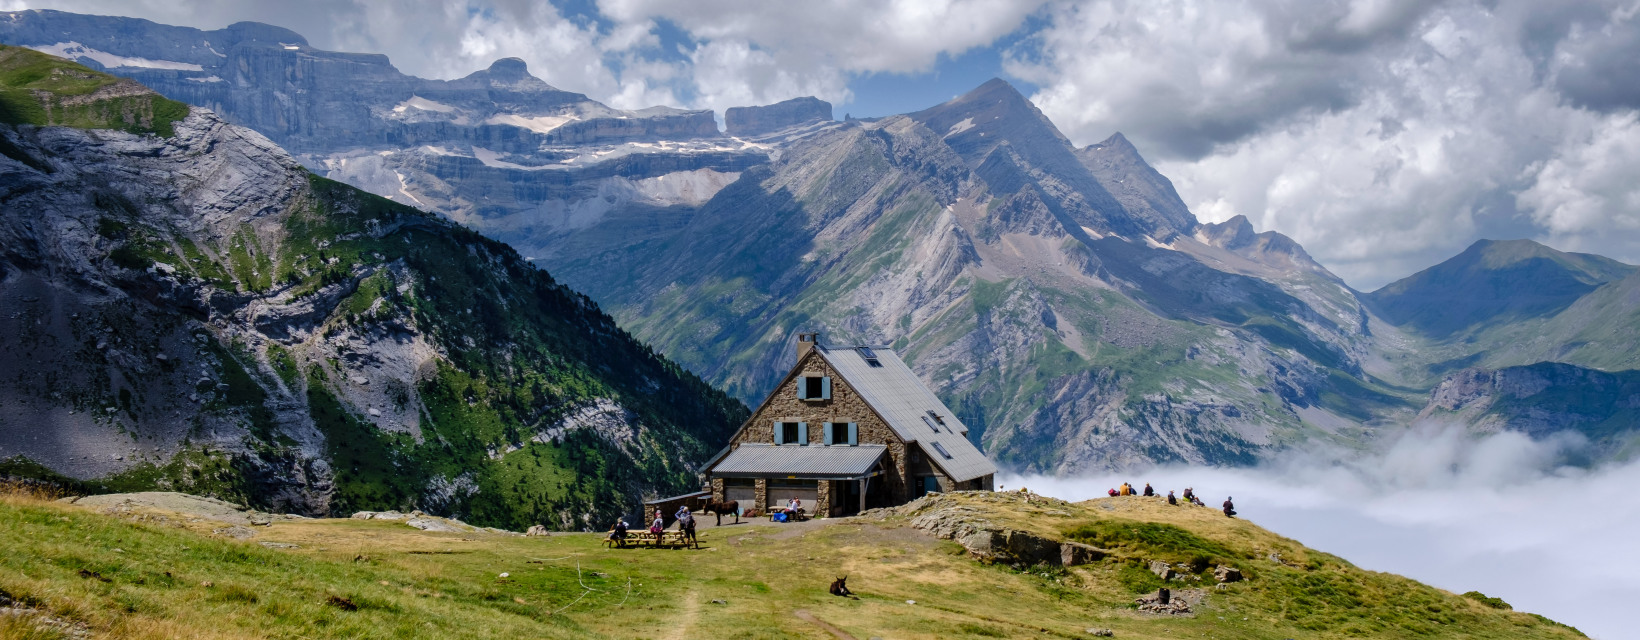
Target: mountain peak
(509, 68)
(740, 121)
(1508, 279)
(263, 32)
(1116, 142)
(1146, 194)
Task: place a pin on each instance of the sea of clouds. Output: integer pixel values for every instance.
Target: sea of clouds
(1501, 514)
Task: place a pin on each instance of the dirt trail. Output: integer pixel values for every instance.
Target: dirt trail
(690, 616)
(809, 618)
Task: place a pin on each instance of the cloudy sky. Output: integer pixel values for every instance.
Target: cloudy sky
(1384, 135)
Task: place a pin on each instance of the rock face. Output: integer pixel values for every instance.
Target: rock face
(756, 121)
(1227, 574)
(200, 312)
(1545, 399)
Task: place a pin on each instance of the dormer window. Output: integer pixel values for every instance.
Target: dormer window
(814, 388)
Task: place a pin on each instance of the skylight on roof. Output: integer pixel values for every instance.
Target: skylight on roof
(869, 356)
(931, 424)
(941, 448)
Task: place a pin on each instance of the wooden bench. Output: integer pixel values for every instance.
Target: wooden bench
(669, 539)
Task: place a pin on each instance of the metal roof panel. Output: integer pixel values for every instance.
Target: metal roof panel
(789, 460)
(904, 402)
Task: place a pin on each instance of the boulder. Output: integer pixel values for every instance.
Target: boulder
(430, 523)
(536, 530)
(1227, 574)
(1162, 570)
(1075, 553)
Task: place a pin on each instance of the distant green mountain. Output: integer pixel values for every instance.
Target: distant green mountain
(1493, 282)
(188, 308)
(1510, 303)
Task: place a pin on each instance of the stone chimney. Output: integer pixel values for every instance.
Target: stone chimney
(805, 343)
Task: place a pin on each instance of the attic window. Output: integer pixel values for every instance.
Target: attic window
(941, 448)
(869, 356)
(814, 388)
(930, 422)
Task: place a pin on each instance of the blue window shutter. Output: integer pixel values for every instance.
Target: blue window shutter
(853, 433)
(779, 433)
(803, 433)
(828, 429)
(802, 388)
(825, 388)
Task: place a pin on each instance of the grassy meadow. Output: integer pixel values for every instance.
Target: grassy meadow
(149, 574)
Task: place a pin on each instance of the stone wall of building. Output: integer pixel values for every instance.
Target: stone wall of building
(845, 405)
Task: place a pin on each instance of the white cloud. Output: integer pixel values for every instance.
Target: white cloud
(1382, 135)
(1493, 514)
(1590, 188)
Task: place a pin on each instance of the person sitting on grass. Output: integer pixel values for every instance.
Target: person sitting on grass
(1149, 492)
(1229, 508)
(1172, 500)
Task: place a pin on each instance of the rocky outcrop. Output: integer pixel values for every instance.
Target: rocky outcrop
(1542, 400)
(948, 519)
(754, 121)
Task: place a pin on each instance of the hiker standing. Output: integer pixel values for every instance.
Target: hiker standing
(1172, 500)
(1229, 508)
(686, 524)
(1149, 492)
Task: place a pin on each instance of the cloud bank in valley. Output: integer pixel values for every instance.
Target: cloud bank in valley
(1383, 135)
(1498, 514)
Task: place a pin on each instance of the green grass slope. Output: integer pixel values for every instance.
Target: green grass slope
(44, 90)
(152, 574)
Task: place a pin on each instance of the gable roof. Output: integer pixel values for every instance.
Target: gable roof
(903, 401)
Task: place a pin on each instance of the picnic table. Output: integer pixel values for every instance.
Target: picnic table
(671, 539)
(792, 516)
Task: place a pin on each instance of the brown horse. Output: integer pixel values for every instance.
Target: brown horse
(719, 508)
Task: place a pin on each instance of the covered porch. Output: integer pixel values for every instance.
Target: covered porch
(831, 481)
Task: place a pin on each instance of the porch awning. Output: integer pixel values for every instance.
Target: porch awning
(790, 461)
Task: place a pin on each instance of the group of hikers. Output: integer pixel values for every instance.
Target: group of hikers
(1190, 497)
(684, 518)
